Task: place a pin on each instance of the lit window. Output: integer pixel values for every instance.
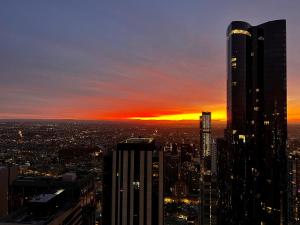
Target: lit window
(237, 31)
(252, 53)
(233, 59)
(233, 131)
(234, 83)
(261, 38)
(257, 89)
(256, 108)
(252, 122)
(136, 184)
(266, 122)
(242, 137)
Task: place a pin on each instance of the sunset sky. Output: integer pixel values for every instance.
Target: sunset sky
(140, 59)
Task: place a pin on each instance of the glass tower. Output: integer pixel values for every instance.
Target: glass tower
(256, 133)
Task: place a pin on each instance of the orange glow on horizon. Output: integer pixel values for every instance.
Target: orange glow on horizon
(218, 115)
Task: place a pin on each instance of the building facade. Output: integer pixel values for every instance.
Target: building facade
(205, 134)
(68, 199)
(137, 183)
(256, 130)
(208, 181)
(7, 175)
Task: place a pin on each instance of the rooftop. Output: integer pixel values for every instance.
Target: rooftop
(139, 140)
(44, 198)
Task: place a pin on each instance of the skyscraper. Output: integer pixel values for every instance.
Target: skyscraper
(137, 183)
(208, 191)
(205, 133)
(256, 123)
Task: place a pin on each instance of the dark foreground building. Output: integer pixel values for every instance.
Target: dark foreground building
(256, 134)
(136, 193)
(68, 199)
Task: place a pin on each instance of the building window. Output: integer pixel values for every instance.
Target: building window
(261, 38)
(242, 32)
(234, 65)
(136, 184)
(242, 137)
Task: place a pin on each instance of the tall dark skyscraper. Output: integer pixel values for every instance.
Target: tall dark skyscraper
(256, 125)
(137, 183)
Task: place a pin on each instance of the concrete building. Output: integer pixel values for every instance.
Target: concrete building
(137, 183)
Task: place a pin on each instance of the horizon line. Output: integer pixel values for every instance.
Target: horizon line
(118, 120)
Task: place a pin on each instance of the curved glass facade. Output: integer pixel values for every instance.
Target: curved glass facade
(256, 134)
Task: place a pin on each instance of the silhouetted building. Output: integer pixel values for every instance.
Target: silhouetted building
(256, 124)
(7, 175)
(186, 153)
(69, 199)
(214, 157)
(223, 178)
(137, 183)
(107, 189)
(208, 191)
(294, 185)
(171, 171)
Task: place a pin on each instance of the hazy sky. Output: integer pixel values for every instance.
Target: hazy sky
(107, 59)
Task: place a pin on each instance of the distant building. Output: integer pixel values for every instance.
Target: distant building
(186, 153)
(208, 193)
(205, 134)
(208, 182)
(171, 171)
(294, 184)
(214, 157)
(137, 183)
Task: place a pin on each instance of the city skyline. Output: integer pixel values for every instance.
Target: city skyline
(133, 60)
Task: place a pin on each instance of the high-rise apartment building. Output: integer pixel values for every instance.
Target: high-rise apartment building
(256, 124)
(137, 183)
